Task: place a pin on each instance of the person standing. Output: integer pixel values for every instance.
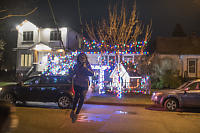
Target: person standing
(80, 74)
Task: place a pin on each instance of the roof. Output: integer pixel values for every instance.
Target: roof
(41, 47)
(178, 45)
(46, 24)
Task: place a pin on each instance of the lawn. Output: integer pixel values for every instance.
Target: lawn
(7, 83)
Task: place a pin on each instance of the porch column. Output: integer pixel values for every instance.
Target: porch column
(35, 57)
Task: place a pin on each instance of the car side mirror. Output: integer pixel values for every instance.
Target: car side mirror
(185, 90)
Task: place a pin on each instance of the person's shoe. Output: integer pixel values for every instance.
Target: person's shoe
(74, 118)
(72, 114)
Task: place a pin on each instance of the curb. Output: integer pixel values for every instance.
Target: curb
(118, 104)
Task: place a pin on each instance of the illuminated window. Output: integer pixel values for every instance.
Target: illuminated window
(26, 59)
(54, 36)
(28, 36)
(192, 65)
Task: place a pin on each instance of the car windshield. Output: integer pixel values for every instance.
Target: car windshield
(32, 80)
(183, 85)
(55, 80)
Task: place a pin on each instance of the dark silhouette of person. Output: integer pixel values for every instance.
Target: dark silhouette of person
(80, 73)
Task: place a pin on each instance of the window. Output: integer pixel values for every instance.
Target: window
(26, 59)
(32, 81)
(28, 36)
(55, 80)
(192, 65)
(54, 36)
(194, 86)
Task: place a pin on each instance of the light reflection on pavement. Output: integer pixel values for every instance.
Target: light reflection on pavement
(120, 112)
(91, 117)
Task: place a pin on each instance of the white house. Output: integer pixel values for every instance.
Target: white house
(181, 53)
(34, 43)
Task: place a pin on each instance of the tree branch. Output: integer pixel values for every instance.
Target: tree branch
(18, 15)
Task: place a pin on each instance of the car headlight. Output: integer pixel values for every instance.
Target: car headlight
(158, 93)
(1, 88)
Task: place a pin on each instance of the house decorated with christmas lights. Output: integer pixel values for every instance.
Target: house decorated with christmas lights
(112, 65)
(39, 50)
(35, 43)
(179, 53)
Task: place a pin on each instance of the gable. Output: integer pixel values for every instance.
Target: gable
(26, 26)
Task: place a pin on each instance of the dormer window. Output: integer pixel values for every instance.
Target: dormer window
(54, 36)
(28, 36)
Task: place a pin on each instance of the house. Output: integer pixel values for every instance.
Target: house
(34, 43)
(181, 53)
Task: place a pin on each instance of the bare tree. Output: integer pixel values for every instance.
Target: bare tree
(120, 28)
(2, 45)
(16, 15)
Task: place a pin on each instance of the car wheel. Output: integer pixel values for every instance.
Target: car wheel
(64, 102)
(9, 98)
(171, 104)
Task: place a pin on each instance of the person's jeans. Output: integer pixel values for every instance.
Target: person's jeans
(80, 93)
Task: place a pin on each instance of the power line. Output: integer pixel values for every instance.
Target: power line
(80, 18)
(56, 24)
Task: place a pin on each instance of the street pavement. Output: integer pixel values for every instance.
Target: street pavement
(47, 118)
(133, 100)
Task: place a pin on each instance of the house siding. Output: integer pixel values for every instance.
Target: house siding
(42, 35)
(182, 63)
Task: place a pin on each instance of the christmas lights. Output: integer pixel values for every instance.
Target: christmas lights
(134, 47)
(58, 64)
(109, 58)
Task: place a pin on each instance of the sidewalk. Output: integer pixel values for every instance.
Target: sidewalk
(133, 100)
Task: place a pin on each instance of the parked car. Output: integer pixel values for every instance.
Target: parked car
(187, 95)
(40, 89)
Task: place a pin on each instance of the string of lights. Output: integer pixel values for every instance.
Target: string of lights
(61, 65)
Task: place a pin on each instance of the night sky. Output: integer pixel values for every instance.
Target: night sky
(164, 13)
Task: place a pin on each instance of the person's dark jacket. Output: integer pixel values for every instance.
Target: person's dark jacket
(80, 74)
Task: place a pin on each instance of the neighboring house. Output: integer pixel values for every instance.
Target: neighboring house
(34, 43)
(181, 53)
